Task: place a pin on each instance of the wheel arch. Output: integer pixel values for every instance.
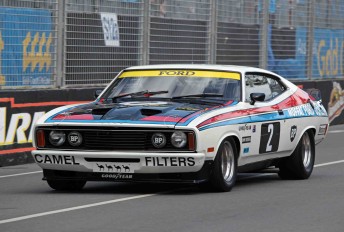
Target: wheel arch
(309, 128)
(236, 141)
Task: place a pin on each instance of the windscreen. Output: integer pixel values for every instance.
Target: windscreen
(174, 83)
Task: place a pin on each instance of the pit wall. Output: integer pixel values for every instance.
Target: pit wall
(19, 110)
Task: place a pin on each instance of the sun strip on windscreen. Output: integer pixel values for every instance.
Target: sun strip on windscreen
(185, 73)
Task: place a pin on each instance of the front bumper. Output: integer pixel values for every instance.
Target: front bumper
(119, 162)
(186, 177)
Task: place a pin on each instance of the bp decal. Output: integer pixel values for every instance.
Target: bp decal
(293, 131)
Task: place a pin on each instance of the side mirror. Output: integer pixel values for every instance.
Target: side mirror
(97, 93)
(257, 97)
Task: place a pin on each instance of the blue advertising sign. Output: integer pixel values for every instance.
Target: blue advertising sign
(26, 47)
(328, 53)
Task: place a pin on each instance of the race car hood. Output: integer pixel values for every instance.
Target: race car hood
(138, 112)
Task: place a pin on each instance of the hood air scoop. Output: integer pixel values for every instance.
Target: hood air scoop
(101, 111)
(150, 112)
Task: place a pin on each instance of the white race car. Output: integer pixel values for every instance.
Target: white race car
(182, 123)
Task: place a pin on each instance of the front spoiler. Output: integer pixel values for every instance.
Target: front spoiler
(187, 177)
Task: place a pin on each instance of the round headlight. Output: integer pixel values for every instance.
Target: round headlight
(179, 139)
(57, 138)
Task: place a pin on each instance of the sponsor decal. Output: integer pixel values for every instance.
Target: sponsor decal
(158, 140)
(113, 167)
(254, 128)
(245, 127)
(322, 129)
(117, 176)
(74, 138)
(246, 139)
(246, 150)
(336, 102)
(110, 29)
(293, 131)
(55, 159)
(185, 73)
(301, 110)
(170, 161)
(176, 73)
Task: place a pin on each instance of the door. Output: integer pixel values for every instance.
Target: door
(266, 116)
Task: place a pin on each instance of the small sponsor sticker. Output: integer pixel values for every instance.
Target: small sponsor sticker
(117, 176)
(246, 150)
(246, 139)
(293, 131)
(322, 129)
(245, 127)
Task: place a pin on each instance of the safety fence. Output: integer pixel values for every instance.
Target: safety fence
(73, 43)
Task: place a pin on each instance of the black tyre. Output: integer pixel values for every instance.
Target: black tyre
(300, 164)
(66, 185)
(224, 172)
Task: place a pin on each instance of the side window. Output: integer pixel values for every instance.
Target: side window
(261, 83)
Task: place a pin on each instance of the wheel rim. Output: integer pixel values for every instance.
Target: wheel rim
(306, 150)
(227, 163)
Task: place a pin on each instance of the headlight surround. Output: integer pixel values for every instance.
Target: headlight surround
(179, 139)
(57, 138)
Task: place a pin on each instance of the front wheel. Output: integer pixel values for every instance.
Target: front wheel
(66, 185)
(225, 166)
(300, 164)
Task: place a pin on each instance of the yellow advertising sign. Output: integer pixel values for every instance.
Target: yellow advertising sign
(184, 73)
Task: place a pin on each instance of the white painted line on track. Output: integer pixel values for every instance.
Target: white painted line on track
(21, 174)
(126, 198)
(329, 163)
(76, 208)
(336, 131)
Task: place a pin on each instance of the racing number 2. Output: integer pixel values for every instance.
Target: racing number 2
(270, 135)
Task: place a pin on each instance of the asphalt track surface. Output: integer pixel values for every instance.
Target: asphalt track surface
(259, 202)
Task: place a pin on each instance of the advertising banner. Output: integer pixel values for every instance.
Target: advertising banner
(19, 110)
(110, 29)
(328, 53)
(26, 47)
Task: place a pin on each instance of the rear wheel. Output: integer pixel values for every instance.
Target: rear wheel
(300, 164)
(66, 185)
(225, 166)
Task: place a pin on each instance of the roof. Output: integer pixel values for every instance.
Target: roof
(232, 68)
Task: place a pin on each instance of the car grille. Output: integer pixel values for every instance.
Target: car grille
(110, 139)
(121, 140)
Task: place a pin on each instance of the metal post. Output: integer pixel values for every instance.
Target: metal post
(264, 28)
(212, 33)
(145, 33)
(310, 38)
(60, 50)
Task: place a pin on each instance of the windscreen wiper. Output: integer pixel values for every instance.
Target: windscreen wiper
(198, 95)
(140, 93)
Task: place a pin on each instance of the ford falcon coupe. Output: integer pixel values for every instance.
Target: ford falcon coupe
(197, 124)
